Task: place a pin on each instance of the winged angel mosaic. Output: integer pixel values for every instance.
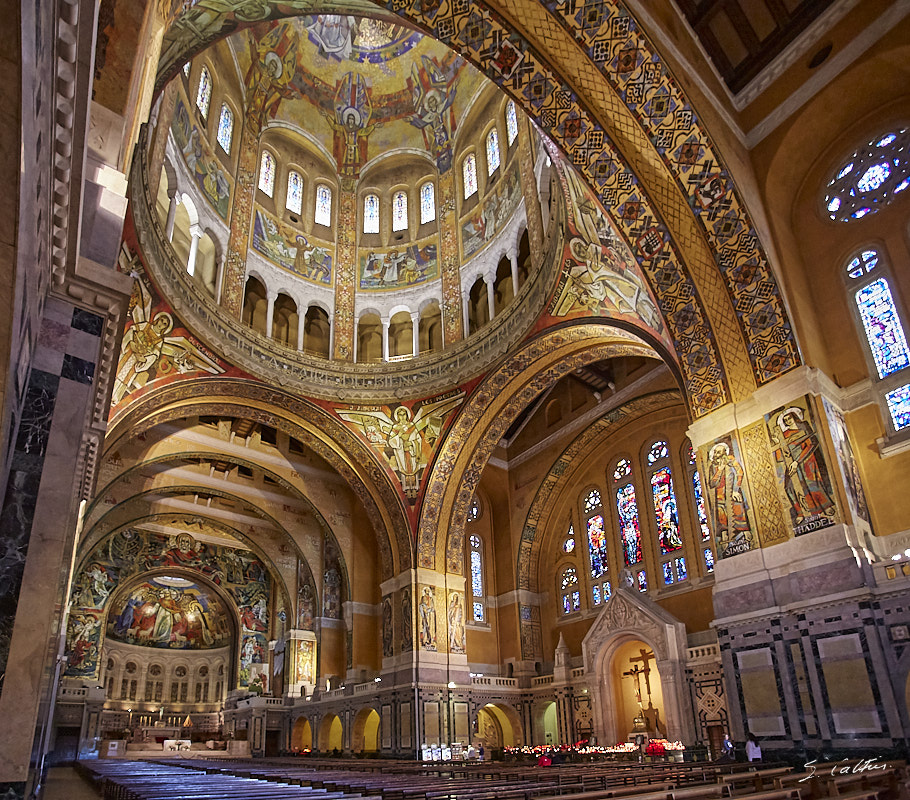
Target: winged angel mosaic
(152, 348)
(403, 436)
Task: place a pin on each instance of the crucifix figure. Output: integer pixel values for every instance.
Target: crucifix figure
(636, 687)
(644, 657)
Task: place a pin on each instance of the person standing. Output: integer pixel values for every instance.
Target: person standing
(753, 749)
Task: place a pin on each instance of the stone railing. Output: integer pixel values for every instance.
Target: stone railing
(502, 683)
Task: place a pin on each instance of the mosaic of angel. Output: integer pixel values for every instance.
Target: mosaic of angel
(150, 348)
(405, 438)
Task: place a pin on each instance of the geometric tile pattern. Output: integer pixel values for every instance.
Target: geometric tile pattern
(766, 504)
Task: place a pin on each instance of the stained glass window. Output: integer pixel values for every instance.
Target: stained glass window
(709, 559)
(511, 121)
(592, 501)
(628, 524)
(294, 200)
(668, 573)
(576, 600)
(597, 545)
(870, 177)
(595, 594)
(474, 510)
(267, 173)
(323, 215)
(492, 151)
(186, 69)
(400, 211)
(607, 590)
(864, 263)
(658, 451)
(568, 545)
(883, 327)
(681, 572)
(700, 507)
(225, 128)
(477, 588)
(427, 203)
(665, 511)
(623, 468)
(642, 581)
(569, 577)
(371, 213)
(469, 174)
(899, 406)
(204, 93)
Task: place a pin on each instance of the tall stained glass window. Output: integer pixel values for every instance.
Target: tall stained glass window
(469, 175)
(511, 122)
(597, 545)
(629, 531)
(478, 603)
(427, 203)
(492, 151)
(294, 199)
(883, 327)
(568, 584)
(225, 128)
(371, 213)
(204, 92)
(267, 173)
(323, 215)
(665, 511)
(400, 211)
(699, 498)
(899, 405)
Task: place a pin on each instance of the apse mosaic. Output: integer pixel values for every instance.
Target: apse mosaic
(802, 470)
(238, 572)
(170, 612)
(155, 348)
(398, 268)
(200, 159)
(492, 215)
(405, 437)
(306, 256)
(728, 498)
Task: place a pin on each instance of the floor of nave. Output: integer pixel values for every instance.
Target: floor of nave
(64, 783)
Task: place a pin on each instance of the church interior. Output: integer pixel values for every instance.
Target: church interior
(392, 377)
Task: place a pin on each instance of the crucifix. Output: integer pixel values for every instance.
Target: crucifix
(644, 657)
(634, 673)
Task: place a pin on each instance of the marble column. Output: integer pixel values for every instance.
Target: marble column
(489, 279)
(172, 204)
(270, 313)
(196, 235)
(513, 263)
(385, 338)
(415, 333)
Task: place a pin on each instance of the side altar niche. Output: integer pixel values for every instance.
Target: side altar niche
(647, 723)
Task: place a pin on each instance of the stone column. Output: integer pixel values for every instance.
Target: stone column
(415, 333)
(301, 320)
(173, 202)
(270, 313)
(513, 263)
(489, 279)
(466, 310)
(196, 234)
(385, 338)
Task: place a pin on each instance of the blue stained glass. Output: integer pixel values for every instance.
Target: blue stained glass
(845, 170)
(475, 541)
(899, 406)
(469, 173)
(567, 604)
(860, 213)
(492, 151)
(204, 94)
(608, 591)
(399, 211)
(863, 263)
(874, 177)
(709, 559)
(834, 204)
(700, 507)
(371, 213)
(597, 545)
(668, 573)
(294, 200)
(427, 203)
(658, 451)
(665, 511)
(186, 69)
(576, 601)
(478, 612)
(883, 328)
(642, 581)
(569, 545)
(902, 185)
(595, 594)
(225, 128)
(681, 572)
(623, 468)
(323, 215)
(628, 524)
(592, 501)
(476, 574)
(886, 140)
(267, 173)
(511, 122)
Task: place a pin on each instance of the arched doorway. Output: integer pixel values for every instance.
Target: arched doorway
(498, 726)
(331, 734)
(544, 725)
(302, 735)
(638, 691)
(365, 735)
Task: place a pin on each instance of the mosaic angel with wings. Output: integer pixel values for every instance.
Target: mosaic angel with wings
(404, 437)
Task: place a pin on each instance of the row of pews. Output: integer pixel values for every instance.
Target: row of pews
(268, 779)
